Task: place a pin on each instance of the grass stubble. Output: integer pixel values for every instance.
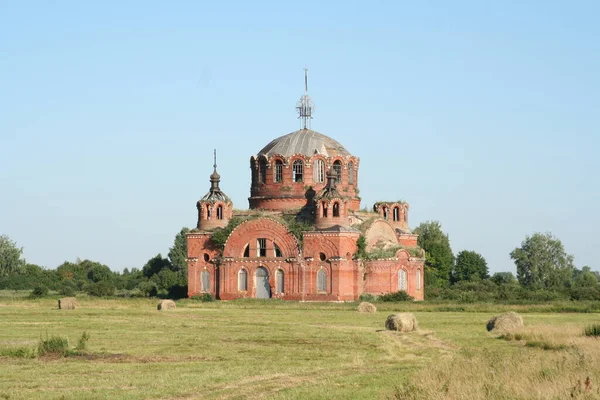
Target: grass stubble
(228, 350)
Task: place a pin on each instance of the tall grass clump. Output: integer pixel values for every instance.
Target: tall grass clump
(592, 330)
(204, 297)
(82, 343)
(368, 297)
(54, 345)
(17, 352)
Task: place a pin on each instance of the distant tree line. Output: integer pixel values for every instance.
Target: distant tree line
(544, 271)
(158, 277)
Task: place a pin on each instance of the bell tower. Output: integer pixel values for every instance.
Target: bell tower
(215, 208)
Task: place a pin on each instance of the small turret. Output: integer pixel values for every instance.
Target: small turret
(396, 213)
(215, 208)
(331, 207)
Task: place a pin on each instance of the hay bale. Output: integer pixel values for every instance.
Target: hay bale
(366, 307)
(401, 322)
(506, 322)
(67, 303)
(164, 305)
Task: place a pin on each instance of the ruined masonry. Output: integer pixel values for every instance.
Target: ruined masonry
(304, 236)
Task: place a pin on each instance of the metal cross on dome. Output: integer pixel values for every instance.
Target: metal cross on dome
(305, 105)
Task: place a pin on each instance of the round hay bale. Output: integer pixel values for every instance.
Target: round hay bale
(506, 322)
(164, 305)
(67, 303)
(401, 322)
(366, 307)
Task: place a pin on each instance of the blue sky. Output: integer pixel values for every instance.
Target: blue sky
(484, 116)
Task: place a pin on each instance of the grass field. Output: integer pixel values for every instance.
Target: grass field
(273, 349)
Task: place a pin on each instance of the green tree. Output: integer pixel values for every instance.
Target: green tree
(469, 266)
(97, 272)
(585, 278)
(178, 253)
(155, 265)
(439, 259)
(10, 256)
(542, 262)
(504, 278)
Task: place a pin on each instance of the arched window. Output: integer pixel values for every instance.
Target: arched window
(220, 212)
(337, 167)
(279, 281)
(418, 279)
(324, 209)
(262, 170)
(277, 250)
(261, 247)
(350, 173)
(396, 214)
(321, 281)
(278, 176)
(402, 280)
(336, 209)
(205, 277)
(243, 280)
(319, 171)
(385, 213)
(247, 250)
(297, 171)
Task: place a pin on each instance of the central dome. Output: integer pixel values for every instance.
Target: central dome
(306, 142)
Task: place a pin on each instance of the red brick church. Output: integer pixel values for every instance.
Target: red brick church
(304, 236)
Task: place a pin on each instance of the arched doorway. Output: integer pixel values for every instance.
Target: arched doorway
(263, 289)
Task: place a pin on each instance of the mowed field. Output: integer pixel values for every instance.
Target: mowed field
(273, 349)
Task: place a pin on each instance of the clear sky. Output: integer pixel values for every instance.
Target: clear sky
(482, 115)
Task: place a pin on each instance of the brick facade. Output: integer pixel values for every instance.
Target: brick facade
(263, 257)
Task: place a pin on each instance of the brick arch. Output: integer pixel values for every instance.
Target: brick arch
(261, 228)
(325, 246)
(275, 157)
(403, 254)
(380, 230)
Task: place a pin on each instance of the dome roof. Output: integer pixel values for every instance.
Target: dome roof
(306, 142)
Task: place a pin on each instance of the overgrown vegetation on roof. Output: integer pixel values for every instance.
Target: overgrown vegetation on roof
(382, 253)
(297, 226)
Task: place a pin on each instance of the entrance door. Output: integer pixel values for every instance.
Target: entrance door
(263, 290)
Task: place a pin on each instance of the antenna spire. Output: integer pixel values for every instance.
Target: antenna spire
(305, 105)
(215, 158)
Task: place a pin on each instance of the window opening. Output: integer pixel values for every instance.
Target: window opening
(279, 281)
(262, 170)
(396, 214)
(247, 251)
(321, 281)
(350, 173)
(277, 251)
(319, 171)
(336, 209)
(205, 275)
(261, 247)
(278, 171)
(220, 212)
(297, 171)
(243, 280)
(337, 167)
(402, 283)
